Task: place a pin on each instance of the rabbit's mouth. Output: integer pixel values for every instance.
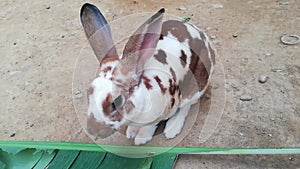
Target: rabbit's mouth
(116, 116)
(98, 129)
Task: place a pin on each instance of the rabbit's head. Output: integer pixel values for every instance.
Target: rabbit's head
(118, 76)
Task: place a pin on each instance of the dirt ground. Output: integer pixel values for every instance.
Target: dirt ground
(40, 42)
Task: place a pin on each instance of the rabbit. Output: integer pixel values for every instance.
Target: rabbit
(164, 69)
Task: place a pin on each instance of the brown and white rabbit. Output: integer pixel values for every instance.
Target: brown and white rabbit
(164, 69)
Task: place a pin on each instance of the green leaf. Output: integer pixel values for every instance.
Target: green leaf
(39, 155)
(186, 19)
(2, 165)
(164, 161)
(118, 162)
(145, 149)
(88, 160)
(12, 150)
(49, 151)
(63, 159)
(45, 160)
(147, 163)
(24, 159)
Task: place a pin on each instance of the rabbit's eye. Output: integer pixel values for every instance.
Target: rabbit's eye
(118, 102)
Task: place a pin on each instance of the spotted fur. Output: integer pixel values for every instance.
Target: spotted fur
(165, 68)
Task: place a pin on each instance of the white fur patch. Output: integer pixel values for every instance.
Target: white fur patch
(149, 105)
(145, 134)
(111, 64)
(102, 87)
(193, 100)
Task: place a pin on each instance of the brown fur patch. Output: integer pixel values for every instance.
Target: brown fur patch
(177, 28)
(172, 87)
(109, 59)
(116, 117)
(200, 63)
(90, 90)
(106, 105)
(107, 69)
(173, 74)
(161, 86)
(172, 101)
(161, 57)
(200, 66)
(183, 58)
(147, 82)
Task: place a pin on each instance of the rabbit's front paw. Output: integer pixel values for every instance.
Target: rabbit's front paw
(141, 141)
(132, 131)
(145, 134)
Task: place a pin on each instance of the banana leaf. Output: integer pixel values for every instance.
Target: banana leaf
(65, 155)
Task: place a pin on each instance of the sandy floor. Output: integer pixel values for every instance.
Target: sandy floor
(40, 42)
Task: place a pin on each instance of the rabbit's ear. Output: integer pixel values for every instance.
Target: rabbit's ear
(97, 31)
(141, 45)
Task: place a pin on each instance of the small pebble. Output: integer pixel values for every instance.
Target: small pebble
(182, 8)
(291, 158)
(213, 37)
(270, 135)
(48, 7)
(217, 6)
(263, 78)
(13, 135)
(15, 43)
(77, 92)
(276, 70)
(245, 97)
(268, 54)
(235, 35)
(62, 36)
(31, 125)
(283, 3)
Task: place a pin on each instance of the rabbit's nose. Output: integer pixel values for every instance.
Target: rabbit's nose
(114, 125)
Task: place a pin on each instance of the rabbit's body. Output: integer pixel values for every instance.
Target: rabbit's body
(171, 75)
